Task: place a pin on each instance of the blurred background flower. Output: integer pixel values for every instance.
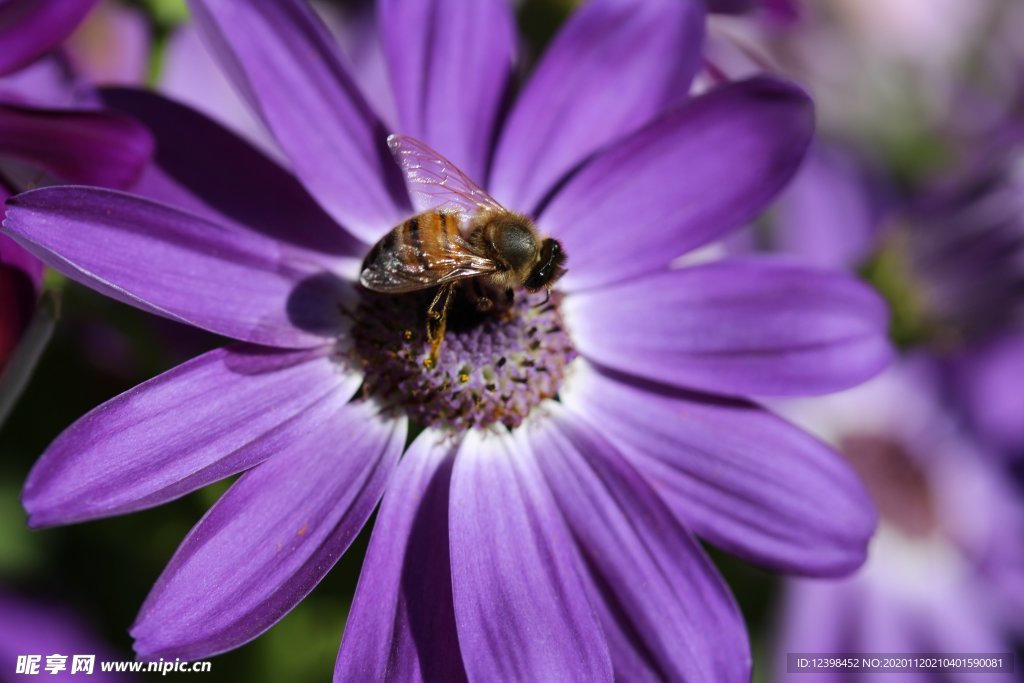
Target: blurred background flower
(945, 572)
(52, 130)
(39, 627)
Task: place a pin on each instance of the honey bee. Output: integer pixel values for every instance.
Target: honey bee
(462, 234)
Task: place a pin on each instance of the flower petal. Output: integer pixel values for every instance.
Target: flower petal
(747, 481)
(667, 613)
(698, 172)
(81, 146)
(520, 605)
(450, 64)
(162, 260)
(402, 623)
(273, 536)
(612, 69)
(824, 616)
(192, 77)
(236, 184)
(31, 28)
(988, 381)
(238, 406)
(46, 83)
(737, 327)
(285, 62)
(355, 25)
(828, 215)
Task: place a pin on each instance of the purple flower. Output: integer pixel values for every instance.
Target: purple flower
(51, 127)
(964, 246)
(986, 381)
(50, 131)
(541, 523)
(943, 571)
(31, 28)
(950, 259)
(831, 215)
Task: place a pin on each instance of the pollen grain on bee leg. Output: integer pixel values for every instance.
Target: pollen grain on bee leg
(491, 367)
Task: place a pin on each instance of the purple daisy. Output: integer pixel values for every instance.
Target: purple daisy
(539, 523)
(943, 573)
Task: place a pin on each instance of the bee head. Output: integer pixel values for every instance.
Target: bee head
(550, 266)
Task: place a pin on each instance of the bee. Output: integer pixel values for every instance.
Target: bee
(461, 234)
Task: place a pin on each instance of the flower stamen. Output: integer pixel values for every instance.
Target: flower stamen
(494, 366)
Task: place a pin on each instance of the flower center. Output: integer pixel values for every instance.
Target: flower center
(897, 483)
(493, 367)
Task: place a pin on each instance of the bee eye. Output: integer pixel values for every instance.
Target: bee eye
(550, 267)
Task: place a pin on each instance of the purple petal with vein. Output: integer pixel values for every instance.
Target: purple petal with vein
(31, 28)
(273, 536)
(241, 405)
(697, 173)
(355, 26)
(79, 146)
(666, 612)
(613, 68)
(738, 327)
(286, 64)
(192, 76)
(450, 64)
(747, 481)
(165, 261)
(520, 604)
(402, 623)
(236, 184)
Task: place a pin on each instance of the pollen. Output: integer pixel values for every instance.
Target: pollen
(493, 366)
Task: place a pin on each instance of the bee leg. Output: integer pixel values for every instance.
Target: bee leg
(510, 296)
(437, 321)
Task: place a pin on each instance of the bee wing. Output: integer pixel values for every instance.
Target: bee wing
(396, 267)
(435, 183)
